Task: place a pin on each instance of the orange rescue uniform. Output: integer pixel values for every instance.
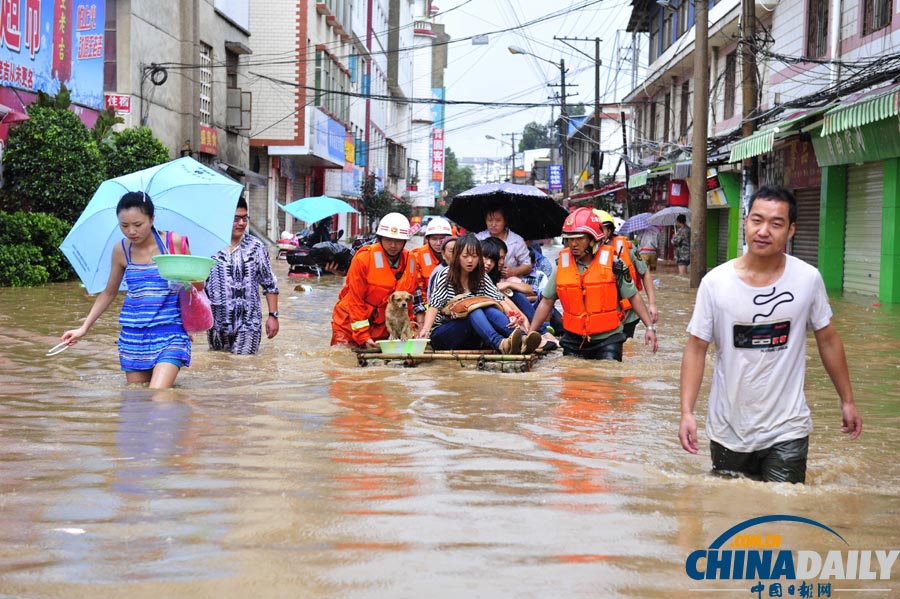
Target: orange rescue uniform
(426, 262)
(591, 300)
(359, 313)
(623, 251)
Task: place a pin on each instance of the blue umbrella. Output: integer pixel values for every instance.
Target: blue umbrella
(190, 198)
(316, 208)
(636, 223)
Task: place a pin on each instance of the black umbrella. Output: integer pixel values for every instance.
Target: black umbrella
(529, 211)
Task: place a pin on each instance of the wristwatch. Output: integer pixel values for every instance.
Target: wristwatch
(652, 327)
(275, 313)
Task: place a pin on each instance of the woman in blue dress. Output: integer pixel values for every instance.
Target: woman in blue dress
(153, 346)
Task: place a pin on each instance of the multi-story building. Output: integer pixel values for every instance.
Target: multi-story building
(174, 70)
(826, 126)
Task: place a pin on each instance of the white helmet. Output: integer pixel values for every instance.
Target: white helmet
(394, 225)
(438, 226)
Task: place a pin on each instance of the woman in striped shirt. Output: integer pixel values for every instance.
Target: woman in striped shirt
(489, 326)
(153, 345)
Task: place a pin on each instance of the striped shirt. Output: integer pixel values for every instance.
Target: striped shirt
(444, 291)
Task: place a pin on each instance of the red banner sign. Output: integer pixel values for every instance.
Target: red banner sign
(437, 155)
(121, 103)
(209, 140)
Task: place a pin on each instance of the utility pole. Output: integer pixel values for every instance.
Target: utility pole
(564, 131)
(597, 119)
(701, 125)
(749, 93)
(595, 133)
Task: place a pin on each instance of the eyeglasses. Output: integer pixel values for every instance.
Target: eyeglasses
(240, 219)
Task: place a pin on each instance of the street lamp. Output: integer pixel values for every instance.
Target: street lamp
(563, 115)
(509, 176)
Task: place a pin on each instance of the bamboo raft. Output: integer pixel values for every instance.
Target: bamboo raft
(482, 359)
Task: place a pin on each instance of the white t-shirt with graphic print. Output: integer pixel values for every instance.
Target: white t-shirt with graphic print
(757, 397)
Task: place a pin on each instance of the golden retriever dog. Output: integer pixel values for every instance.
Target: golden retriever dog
(396, 316)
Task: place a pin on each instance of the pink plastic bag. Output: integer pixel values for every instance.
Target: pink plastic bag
(196, 313)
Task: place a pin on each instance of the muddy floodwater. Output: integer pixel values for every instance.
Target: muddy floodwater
(297, 473)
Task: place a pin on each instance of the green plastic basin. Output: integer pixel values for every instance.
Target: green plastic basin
(183, 269)
(410, 346)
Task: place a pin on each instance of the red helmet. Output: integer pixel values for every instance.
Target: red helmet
(583, 221)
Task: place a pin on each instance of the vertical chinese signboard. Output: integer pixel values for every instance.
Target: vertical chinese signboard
(437, 155)
(209, 140)
(47, 43)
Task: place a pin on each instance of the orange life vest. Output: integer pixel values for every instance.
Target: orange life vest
(426, 262)
(623, 251)
(360, 309)
(591, 300)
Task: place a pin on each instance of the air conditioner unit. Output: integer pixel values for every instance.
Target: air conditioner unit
(666, 4)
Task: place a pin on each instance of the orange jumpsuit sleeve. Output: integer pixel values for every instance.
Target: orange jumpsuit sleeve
(357, 308)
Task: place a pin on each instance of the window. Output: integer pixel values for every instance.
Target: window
(205, 75)
(683, 17)
(685, 102)
(110, 75)
(817, 28)
(730, 80)
(332, 85)
(654, 39)
(651, 128)
(667, 28)
(876, 15)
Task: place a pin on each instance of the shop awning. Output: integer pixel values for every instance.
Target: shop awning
(605, 190)
(863, 108)
(235, 172)
(638, 179)
(763, 142)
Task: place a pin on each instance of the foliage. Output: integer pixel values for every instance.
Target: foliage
(132, 150)
(576, 110)
(51, 164)
(61, 101)
(376, 204)
(456, 180)
(535, 135)
(29, 249)
(103, 128)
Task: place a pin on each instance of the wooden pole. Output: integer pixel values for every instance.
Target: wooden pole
(701, 125)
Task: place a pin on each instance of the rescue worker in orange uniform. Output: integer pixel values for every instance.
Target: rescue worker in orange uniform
(428, 257)
(590, 282)
(376, 271)
(637, 269)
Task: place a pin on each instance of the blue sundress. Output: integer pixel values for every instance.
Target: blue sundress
(152, 331)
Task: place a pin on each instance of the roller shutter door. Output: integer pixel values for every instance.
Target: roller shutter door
(722, 241)
(862, 245)
(805, 244)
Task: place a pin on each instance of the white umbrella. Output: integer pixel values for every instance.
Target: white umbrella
(666, 216)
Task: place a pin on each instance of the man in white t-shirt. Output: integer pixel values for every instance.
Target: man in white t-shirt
(757, 309)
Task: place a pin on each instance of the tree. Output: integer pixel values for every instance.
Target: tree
(535, 135)
(51, 163)
(576, 110)
(456, 180)
(132, 150)
(376, 204)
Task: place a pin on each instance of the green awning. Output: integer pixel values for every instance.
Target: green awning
(638, 179)
(868, 108)
(760, 142)
(763, 141)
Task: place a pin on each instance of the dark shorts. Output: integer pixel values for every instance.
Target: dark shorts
(683, 262)
(782, 463)
(605, 349)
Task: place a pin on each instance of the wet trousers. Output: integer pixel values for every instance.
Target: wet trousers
(782, 463)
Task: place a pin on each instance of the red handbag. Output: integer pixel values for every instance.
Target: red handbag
(196, 311)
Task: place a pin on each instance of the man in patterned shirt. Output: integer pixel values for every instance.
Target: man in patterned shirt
(233, 288)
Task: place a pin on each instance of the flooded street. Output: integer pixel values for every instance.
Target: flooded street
(296, 473)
